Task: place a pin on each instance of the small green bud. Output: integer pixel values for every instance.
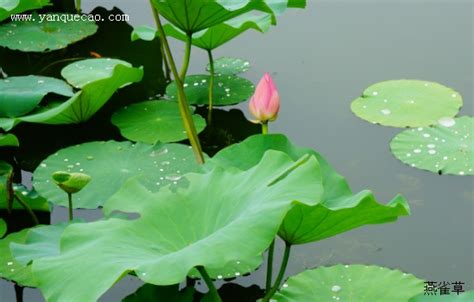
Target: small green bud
(71, 182)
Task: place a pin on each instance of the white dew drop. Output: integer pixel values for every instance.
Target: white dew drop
(237, 274)
(446, 121)
(173, 177)
(432, 151)
(219, 277)
(461, 173)
(285, 285)
(375, 93)
(43, 165)
(336, 288)
(385, 111)
(431, 146)
(9, 263)
(417, 151)
(426, 135)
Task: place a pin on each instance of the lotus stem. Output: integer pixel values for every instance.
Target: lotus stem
(187, 56)
(213, 294)
(163, 54)
(182, 102)
(27, 208)
(265, 128)
(268, 283)
(78, 6)
(71, 213)
(281, 274)
(211, 86)
(19, 292)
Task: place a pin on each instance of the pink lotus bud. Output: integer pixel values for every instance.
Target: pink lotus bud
(265, 103)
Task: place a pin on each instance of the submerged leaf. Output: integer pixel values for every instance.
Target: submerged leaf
(50, 33)
(337, 211)
(154, 121)
(110, 164)
(228, 90)
(359, 283)
(407, 103)
(447, 148)
(223, 216)
(20, 95)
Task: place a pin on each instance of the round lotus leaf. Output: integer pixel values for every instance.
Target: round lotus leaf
(71, 182)
(407, 103)
(467, 296)
(55, 31)
(350, 283)
(153, 121)
(227, 65)
(12, 7)
(20, 95)
(10, 268)
(3, 227)
(110, 164)
(87, 71)
(447, 148)
(228, 90)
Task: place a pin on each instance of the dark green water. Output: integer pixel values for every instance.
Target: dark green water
(321, 59)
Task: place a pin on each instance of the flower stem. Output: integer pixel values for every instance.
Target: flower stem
(187, 56)
(182, 103)
(27, 207)
(213, 294)
(163, 54)
(268, 283)
(281, 274)
(69, 199)
(211, 87)
(265, 128)
(78, 6)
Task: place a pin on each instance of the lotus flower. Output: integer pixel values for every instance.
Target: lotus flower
(265, 103)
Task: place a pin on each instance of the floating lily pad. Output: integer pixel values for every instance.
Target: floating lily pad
(153, 121)
(110, 164)
(202, 14)
(20, 95)
(3, 227)
(453, 297)
(9, 140)
(153, 293)
(215, 36)
(227, 65)
(351, 283)
(228, 90)
(229, 223)
(11, 7)
(10, 268)
(83, 72)
(85, 103)
(337, 211)
(407, 103)
(50, 34)
(447, 148)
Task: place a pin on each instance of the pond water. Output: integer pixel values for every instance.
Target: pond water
(321, 59)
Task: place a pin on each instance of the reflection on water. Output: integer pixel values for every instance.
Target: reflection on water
(321, 59)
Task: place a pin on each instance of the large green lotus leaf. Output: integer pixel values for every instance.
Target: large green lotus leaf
(110, 164)
(453, 297)
(407, 103)
(10, 268)
(83, 72)
(337, 211)
(351, 283)
(304, 224)
(153, 121)
(3, 227)
(20, 95)
(11, 7)
(9, 140)
(42, 241)
(85, 103)
(228, 65)
(36, 35)
(215, 36)
(228, 90)
(153, 293)
(196, 15)
(210, 223)
(447, 148)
